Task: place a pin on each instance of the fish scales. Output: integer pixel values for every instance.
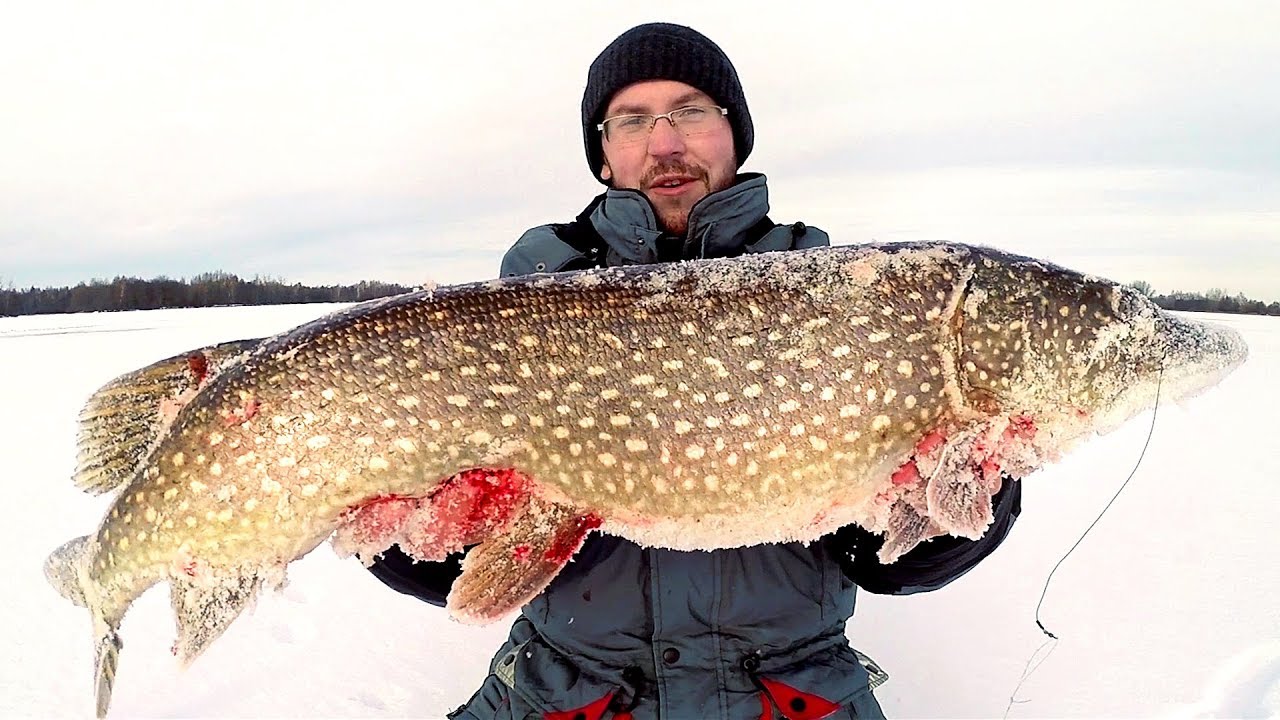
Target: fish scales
(699, 405)
(682, 406)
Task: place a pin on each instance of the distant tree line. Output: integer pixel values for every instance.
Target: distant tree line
(1216, 300)
(220, 288)
(205, 290)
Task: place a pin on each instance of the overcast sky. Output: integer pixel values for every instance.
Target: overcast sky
(413, 142)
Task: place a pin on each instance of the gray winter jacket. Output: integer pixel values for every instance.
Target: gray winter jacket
(633, 632)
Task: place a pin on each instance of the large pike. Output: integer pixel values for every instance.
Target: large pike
(699, 405)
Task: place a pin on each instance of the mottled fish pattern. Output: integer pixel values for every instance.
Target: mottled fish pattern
(698, 405)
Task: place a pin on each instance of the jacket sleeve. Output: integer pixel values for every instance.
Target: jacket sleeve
(430, 582)
(931, 564)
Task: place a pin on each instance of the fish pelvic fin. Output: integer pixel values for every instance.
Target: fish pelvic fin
(123, 419)
(509, 569)
(204, 607)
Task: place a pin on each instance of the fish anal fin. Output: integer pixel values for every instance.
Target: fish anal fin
(205, 606)
(509, 569)
(122, 420)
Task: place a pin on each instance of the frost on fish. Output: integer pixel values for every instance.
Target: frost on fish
(719, 403)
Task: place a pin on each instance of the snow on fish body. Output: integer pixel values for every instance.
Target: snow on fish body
(701, 405)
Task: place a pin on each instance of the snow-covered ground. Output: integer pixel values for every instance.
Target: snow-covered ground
(1170, 608)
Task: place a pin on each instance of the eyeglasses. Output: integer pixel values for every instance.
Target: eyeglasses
(691, 120)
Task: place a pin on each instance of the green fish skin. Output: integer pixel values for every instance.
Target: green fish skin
(710, 404)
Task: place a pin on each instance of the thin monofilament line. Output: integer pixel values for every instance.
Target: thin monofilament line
(1027, 670)
(1052, 643)
(1150, 431)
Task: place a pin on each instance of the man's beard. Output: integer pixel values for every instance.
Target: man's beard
(675, 220)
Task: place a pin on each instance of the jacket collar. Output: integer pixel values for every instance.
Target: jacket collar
(718, 224)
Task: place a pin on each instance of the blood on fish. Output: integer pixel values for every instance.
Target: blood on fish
(244, 413)
(475, 502)
(930, 442)
(569, 539)
(198, 364)
(463, 510)
(522, 552)
(906, 474)
(378, 522)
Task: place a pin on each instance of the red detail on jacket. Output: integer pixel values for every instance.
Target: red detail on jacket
(593, 711)
(795, 705)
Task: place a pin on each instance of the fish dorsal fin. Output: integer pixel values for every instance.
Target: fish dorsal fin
(205, 607)
(509, 569)
(123, 419)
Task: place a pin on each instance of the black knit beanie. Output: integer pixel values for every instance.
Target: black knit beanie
(662, 51)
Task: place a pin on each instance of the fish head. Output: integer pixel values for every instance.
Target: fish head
(1042, 341)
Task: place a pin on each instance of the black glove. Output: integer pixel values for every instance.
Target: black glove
(427, 581)
(929, 565)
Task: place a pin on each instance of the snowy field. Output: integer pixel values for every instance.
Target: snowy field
(1170, 608)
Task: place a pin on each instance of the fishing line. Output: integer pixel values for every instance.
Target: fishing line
(1052, 642)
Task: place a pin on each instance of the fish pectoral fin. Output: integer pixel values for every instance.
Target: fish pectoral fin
(907, 528)
(509, 569)
(122, 419)
(205, 607)
(960, 504)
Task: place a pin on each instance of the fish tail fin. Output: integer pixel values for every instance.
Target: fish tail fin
(105, 659)
(67, 570)
(66, 567)
(122, 420)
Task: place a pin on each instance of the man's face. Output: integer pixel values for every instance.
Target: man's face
(672, 170)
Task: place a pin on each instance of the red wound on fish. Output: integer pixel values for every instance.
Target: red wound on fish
(930, 442)
(909, 472)
(569, 538)
(198, 364)
(906, 474)
(465, 510)
(377, 524)
(241, 415)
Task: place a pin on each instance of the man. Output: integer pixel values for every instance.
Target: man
(631, 632)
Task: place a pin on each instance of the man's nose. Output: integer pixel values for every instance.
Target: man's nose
(665, 140)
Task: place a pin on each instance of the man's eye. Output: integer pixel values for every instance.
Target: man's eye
(691, 113)
(631, 122)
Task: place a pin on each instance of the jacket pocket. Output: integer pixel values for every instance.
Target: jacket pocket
(834, 677)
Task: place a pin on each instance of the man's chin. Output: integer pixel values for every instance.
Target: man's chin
(675, 223)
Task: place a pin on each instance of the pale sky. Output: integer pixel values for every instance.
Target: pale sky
(328, 142)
